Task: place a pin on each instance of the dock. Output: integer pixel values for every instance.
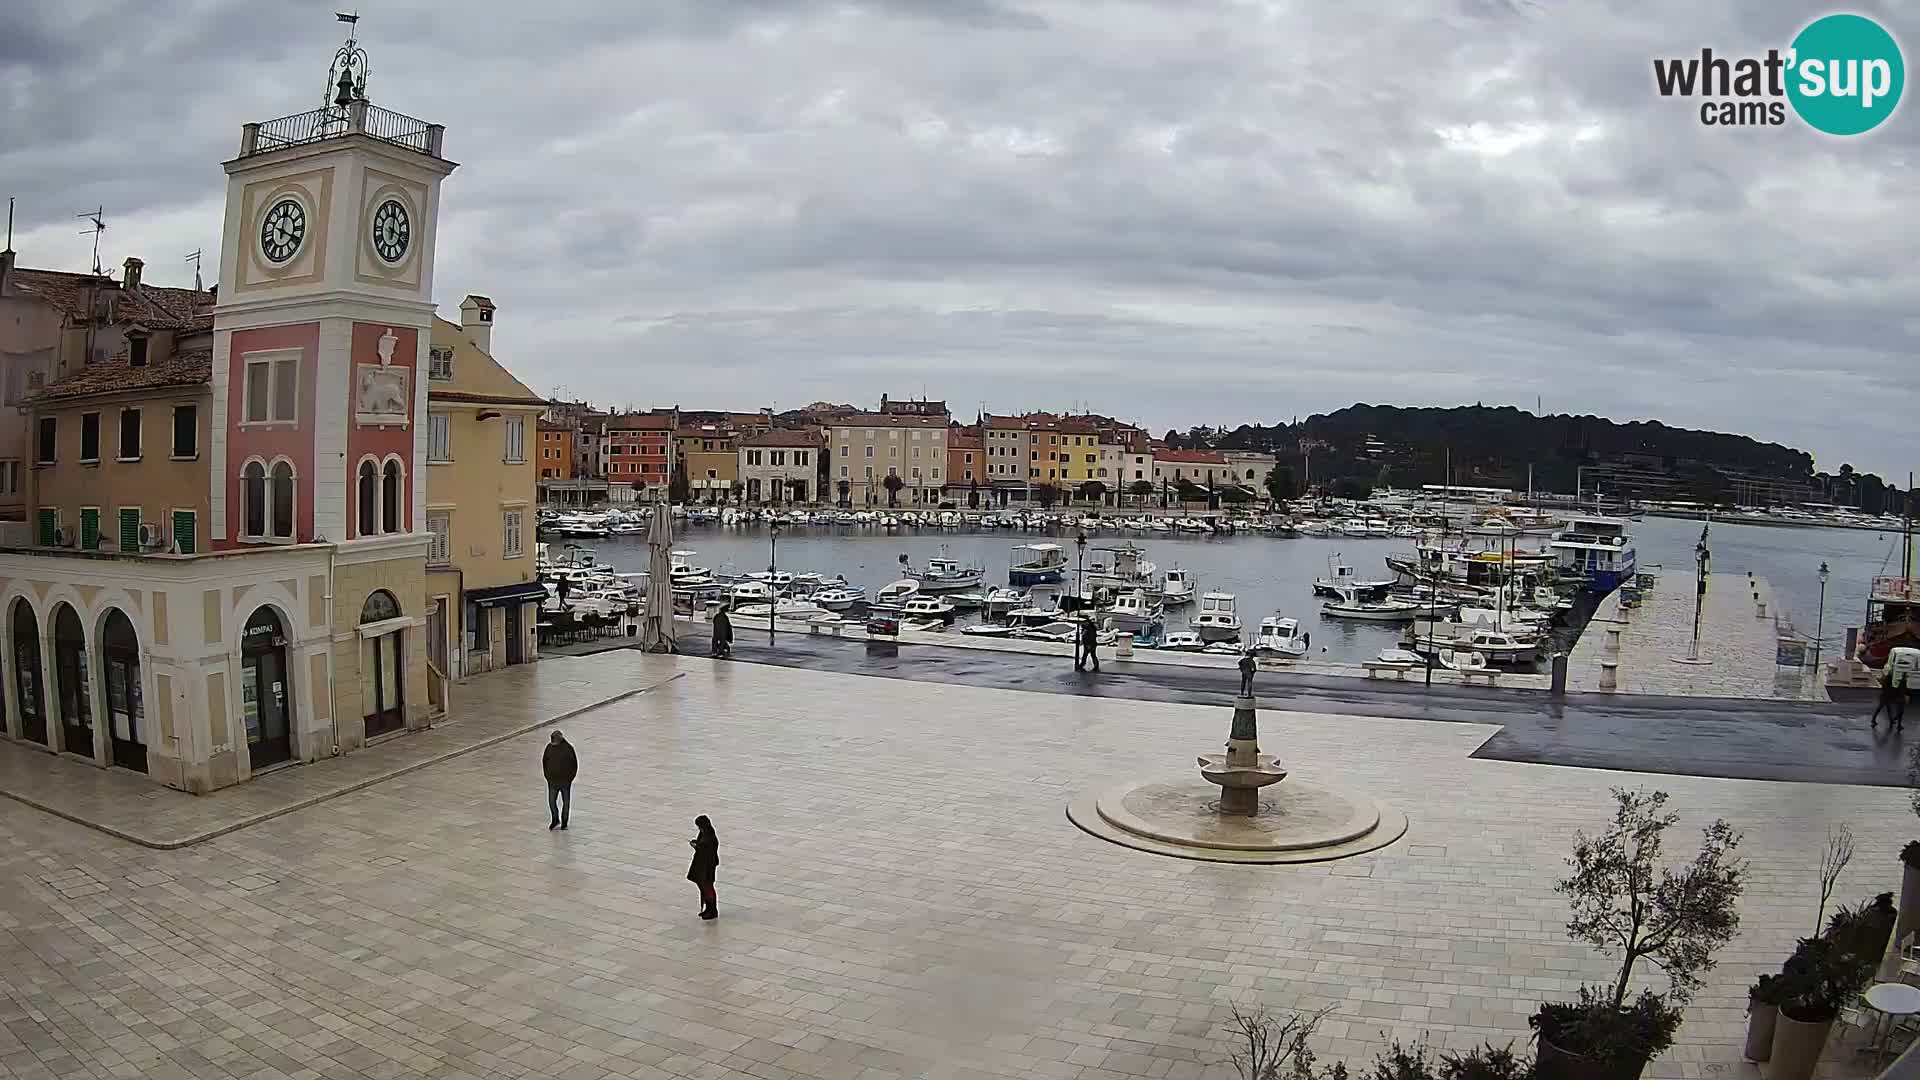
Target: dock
(1739, 643)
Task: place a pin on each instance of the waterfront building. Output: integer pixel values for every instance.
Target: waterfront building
(780, 466)
(640, 456)
(866, 448)
(1248, 469)
(480, 494)
(710, 458)
(556, 461)
(1011, 458)
(1173, 469)
(300, 627)
(967, 481)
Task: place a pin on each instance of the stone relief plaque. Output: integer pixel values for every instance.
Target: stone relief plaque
(380, 395)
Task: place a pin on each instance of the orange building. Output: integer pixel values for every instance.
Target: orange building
(555, 460)
(640, 455)
(966, 463)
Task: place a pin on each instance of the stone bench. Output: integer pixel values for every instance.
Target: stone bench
(1492, 676)
(829, 625)
(1381, 667)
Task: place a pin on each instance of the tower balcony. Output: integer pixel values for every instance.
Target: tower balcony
(356, 118)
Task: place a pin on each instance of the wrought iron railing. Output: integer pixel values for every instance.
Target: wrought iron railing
(331, 123)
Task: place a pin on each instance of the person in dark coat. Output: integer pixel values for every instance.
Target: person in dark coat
(1892, 700)
(722, 633)
(560, 764)
(1246, 674)
(706, 859)
(1090, 644)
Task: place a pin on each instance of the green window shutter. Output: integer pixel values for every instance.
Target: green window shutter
(183, 524)
(130, 529)
(49, 524)
(89, 529)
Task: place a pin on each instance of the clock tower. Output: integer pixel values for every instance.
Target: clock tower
(320, 333)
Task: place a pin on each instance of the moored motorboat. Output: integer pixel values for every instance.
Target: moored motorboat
(1176, 588)
(1351, 604)
(1280, 636)
(1037, 564)
(1216, 620)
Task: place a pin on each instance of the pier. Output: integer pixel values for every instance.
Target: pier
(1643, 646)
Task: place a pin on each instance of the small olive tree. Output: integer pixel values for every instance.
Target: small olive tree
(1675, 917)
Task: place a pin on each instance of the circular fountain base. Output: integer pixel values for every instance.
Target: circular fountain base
(1297, 821)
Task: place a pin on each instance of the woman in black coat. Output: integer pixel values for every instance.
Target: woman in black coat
(706, 859)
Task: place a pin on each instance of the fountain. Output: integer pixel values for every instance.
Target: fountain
(1238, 810)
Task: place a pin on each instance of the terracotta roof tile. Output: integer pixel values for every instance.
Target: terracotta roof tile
(889, 420)
(152, 306)
(783, 437)
(117, 377)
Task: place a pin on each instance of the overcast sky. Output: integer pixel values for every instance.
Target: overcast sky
(1179, 212)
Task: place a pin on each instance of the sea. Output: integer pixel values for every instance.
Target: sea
(1274, 575)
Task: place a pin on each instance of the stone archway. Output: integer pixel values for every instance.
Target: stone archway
(266, 692)
(383, 664)
(72, 690)
(26, 673)
(120, 676)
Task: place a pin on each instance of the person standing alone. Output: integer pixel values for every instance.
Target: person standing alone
(706, 860)
(561, 765)
(1090, 644)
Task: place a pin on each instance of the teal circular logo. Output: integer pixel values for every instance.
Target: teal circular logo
(1846, 74)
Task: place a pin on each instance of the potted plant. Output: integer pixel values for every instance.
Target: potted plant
(1625, 900)
(1822, 975)
(1763, 1009)
(1909, 888)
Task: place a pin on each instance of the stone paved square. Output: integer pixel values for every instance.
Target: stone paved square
(901, 895)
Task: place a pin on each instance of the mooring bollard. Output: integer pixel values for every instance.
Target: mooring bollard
(1609, 675)
(1124, 648)
(1613, 640)
(1762, 613)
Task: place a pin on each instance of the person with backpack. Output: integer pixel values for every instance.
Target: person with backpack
(561, 765)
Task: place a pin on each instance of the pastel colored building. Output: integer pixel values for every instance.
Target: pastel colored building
(780, 466)
(640, 456)
(967, 466)
(298, 625)
(866, 448)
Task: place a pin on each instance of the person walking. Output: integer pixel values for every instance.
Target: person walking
(722, 633)
(561, 765)
(1090, 644)
(706, 860)
(1246, 674)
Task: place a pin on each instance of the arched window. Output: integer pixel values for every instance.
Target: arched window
(369, 498)
(282, 485)
(253, 499)
(390, 498)
(380, 606)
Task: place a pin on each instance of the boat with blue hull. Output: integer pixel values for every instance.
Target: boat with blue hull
(1037, 564)
(1594, 552)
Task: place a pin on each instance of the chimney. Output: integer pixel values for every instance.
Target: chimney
(476, 318)
(6, 272)
(130, 280)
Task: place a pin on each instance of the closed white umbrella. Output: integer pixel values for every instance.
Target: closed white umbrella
(657, 634)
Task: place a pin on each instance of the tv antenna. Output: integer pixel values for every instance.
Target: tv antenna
(9, 246)
(194, 258)
(98, 217)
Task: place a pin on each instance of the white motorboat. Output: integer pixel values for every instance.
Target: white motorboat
(750, 592)
(1131, 612)
(683, 571)
(782, 609)
(1281, 637)
(1343, 577)
(835, 599)
(780, 580)
(927, 607)
(1402, 657)
(1497, 646)
(1176, 588)
(947, 575)
(1216, 620)
(1513, 620)
(1352, 605)
(967, 601)
(1226, 648)
(1001, 601)
(896, 594)
(1462, 660)
(1065, 630)
(923, 626)
(1183, 641)
(1034, 615)
(1037, 564)
(996, 630)
(1120, 568)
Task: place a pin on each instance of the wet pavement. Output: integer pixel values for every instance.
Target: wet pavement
(1749, 739)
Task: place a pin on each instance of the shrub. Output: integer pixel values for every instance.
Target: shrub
(1610, 1035)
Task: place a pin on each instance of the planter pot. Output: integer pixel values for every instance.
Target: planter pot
(1557, 1063)
(1909, 901)
(1760, 1022)
(1797, 1046)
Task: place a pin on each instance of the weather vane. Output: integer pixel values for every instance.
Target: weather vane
(347, 76)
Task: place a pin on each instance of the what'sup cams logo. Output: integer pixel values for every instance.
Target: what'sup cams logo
(1842, 75)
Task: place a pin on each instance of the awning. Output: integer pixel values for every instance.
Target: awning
(522, 592)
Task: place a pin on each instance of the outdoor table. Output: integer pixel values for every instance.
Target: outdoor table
(1890, 1000)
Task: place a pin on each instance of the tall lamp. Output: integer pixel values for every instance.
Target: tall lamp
(1820, 623)
(773, 591)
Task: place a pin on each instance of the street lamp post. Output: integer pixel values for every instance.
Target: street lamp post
(1080, 571)
(1701, 557)
(773, 591)
(1820, 623)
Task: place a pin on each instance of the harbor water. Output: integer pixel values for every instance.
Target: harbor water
(1273, 575)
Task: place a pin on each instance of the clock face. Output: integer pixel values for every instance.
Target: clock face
(282, 230)
(391, 231)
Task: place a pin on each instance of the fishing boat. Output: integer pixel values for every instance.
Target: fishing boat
(1352, 604)
(1130, 611)
(683, 572)
(1000, 601)
(1279, 636)
(1037, 564)
(896, 594)
(1594, 552)
(750, 592)
(1121, 568)
(1216, 620)
(947, 575)
(1343, 577)
(1176, 588)
(1497, 646)
(1893, 619)
(1183, 641)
